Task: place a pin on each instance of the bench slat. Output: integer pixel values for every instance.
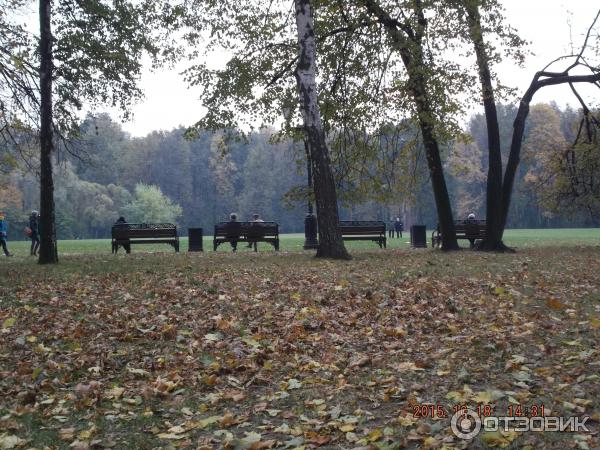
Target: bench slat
(118, 234)
(144, 241)
(465, 229)
(144, 233)
(349, 230)
(364, 230)
(246, 232)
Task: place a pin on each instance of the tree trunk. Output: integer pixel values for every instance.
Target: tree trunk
(494, 178)
(515, 154)
(551, 79)
(411, 52)
(436, 170)
(48, 248)
(331, 244)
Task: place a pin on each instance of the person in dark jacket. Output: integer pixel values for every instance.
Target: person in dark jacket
(35, 232)
(233, 220)
(399, 227)
(126, 245)
(4, 234)
(391, 229)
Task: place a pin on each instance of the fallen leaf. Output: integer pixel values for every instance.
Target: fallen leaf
(555, 304)
(171, 436)
(375, 435)
(315, 438)
(9, 441)
(359, 361)
(408, 365)
(116, 392)
(294, 384)
(498, 439)
(9, 323)
(407, 421)
(67, 434)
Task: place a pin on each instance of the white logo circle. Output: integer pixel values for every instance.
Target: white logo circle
(465, 424)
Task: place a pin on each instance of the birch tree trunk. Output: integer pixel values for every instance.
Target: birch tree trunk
(331, 244)
(48, 249)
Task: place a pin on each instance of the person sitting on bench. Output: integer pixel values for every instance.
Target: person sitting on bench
(471, 220)
(233, 220)
(127, 245)
(255, 218)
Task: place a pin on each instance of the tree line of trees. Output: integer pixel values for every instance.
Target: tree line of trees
(385, 69)
(164, 177)
(383, 61)
(161, 177)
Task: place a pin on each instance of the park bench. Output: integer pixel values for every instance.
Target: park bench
(144, 233)
(465, 229)
(364, 230)
(250, 232)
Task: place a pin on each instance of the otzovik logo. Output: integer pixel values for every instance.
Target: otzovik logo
(466, 424)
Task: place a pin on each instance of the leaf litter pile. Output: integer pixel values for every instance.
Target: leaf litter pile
(285, 351)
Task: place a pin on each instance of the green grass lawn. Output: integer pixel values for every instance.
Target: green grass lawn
(285, 351)
(523, 238)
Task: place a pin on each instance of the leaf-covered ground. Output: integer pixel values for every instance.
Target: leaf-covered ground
(285, 351)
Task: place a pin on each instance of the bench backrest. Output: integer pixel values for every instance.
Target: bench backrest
(361, 227)
(248, 229)
(143, 230)
(476, 228)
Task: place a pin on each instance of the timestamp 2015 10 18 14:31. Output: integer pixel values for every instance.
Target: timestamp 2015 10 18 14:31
(430, 410)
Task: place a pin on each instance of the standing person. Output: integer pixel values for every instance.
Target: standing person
(391, 229)
(4, 234)
(255, 219)
(127, 245)
(233, 223)
(35, 232)
(399, 227)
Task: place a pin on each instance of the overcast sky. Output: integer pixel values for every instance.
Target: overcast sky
(545, 23)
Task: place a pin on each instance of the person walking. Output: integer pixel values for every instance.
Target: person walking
(34, 228)
(399, 227)
(391, 229)
(255, 219)
(4, 234)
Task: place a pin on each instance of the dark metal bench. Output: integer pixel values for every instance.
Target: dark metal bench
(364, 230)
(144, 233)
(251, 232)
(465, 229)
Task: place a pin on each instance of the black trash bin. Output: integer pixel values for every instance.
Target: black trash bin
(418, 236)
(195, 240)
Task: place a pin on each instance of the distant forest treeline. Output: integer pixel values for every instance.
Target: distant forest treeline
(206, 178)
